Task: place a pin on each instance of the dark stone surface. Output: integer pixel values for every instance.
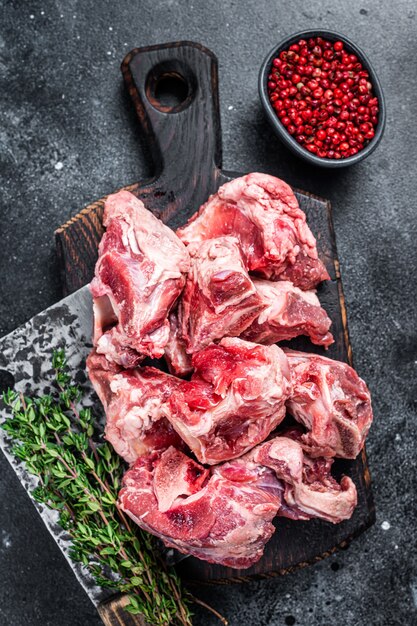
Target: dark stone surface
(62, 102)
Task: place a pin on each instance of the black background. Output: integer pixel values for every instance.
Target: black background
(62, 102)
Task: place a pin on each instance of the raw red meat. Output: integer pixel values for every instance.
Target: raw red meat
(224, 515)
(139, 275)
(219, 299)
(215, 518)
(290, 312)
(309, 488)
(134, 404)
(333, 404)
(235, 398)
(239, 390)
(263, 213)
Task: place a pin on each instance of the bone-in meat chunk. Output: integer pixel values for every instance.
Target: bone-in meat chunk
(139, 275)
(263, 213)
(219, 299)
(332, 403)
(235, 398)
(220, 520)
(134, 401)
(309, 489)
(289, 313)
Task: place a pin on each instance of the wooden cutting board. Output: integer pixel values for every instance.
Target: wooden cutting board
(174, 88)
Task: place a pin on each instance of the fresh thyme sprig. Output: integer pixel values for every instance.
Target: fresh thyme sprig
(80, 479)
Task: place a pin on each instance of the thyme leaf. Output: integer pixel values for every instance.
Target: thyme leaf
(79, 478)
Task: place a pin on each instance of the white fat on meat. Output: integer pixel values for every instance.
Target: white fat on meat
(288, 313)
(235, 398)
(332, 403)
(263, 213)
(139, 275)
(219, 298)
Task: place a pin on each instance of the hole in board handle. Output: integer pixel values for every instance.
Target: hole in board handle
(170, 86)
(171, 90)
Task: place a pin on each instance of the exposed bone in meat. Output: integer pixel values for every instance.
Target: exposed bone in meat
(332, 402)
(235, 398)
(134, 404)
(290, 312)
(139, 275)
(239, 391)
(217, 519)
(263, 213)
(224, 515)
(309, 488)
(219, 299)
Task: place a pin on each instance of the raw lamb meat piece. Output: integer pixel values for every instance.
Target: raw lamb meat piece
(310, 490)
(133, 401)
(263, 213)
(219, 299)
(179, 362)
(139, 275)
(220, 520)
(113, 343)
(235, 398)
(224, 515)
(333, 404)
(290, 312)
(101, 372)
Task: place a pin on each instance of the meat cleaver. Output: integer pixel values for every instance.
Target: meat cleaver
(25, 365)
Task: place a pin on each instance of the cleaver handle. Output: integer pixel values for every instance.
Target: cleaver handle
(112, 613)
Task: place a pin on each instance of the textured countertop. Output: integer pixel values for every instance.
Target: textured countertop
(68, 135)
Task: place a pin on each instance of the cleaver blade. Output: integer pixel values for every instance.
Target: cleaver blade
(25, 365)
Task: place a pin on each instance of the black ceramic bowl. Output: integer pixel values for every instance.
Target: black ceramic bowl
(280, 129)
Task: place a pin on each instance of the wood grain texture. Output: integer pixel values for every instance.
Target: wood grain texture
(185, 143)
(113, 613)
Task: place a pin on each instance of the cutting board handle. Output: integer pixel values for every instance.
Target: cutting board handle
(174, 88)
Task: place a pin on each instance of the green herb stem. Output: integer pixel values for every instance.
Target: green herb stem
(79, 477)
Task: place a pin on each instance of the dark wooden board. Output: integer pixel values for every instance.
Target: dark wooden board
(185, 143)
